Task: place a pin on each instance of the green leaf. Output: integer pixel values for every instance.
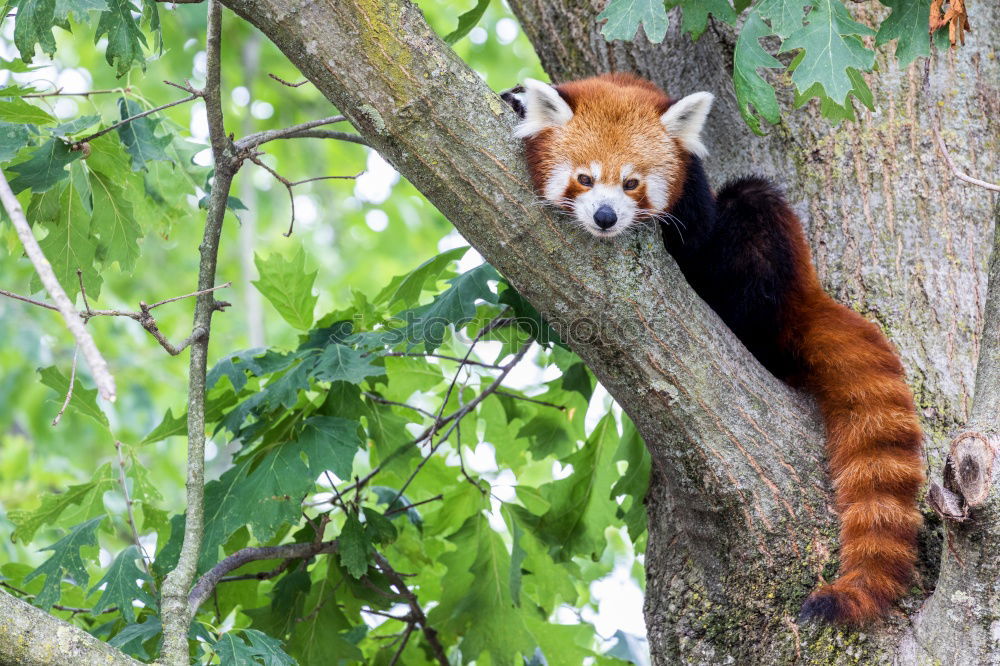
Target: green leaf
(340, 363)
(170, 426)
(751, 88)
(18, 111)
(581, 510)
(44, 168)
(70, 245)
(694, 19)
(378, 528)
(467, 21)
(114, 221)
(65, 561)
(831, 43)
(78, 8)
(13, 137)
(785, 16)
(234, 651)
(330, 443)
(268, 649)
(476, 603)
(131, 639)
(121, 587)
(125, 39)
(35, 19)
(549, 434)
(288, 287)
(456, 306)
(88, 496)
(353, 545)
(407, 288)
(84, 400)
(139, 136)
(624, 17)
(635, 481)
(908, 24)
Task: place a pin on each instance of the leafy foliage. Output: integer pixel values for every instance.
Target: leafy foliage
(830, 55)
(358, 420)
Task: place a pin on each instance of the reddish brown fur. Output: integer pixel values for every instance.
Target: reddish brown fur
(873, 443)
(606, 115)
(873, 436)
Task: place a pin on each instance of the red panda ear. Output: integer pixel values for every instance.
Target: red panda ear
(544, 107)
(684, 119)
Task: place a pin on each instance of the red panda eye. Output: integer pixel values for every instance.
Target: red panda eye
(631, 184)
(585, 180)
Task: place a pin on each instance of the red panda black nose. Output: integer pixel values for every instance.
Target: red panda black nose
(605, 217)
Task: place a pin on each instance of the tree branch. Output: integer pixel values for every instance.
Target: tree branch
(203, 588)
(98, 366)
(90, 137)
(260, 138)
(32, 637)
(415, 610)
(175, 608)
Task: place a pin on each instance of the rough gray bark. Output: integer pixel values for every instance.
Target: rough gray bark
(32, 637)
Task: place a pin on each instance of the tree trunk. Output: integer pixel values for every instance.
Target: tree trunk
(741, 526)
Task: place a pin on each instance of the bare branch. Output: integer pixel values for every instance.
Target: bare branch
(69, 392)
(98, 366)
(41, 304)
(936, 128)
(329, 134)
(90, 137)
(59, 93)
(254, 140)
(289, 185)
(292, 551)
(288, 83)
(175, 607)
(131, 515)
(415, 610)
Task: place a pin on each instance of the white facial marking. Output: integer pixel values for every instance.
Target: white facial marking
(656, 192)
(595, 170)
(627, 171)
(686, 118)
(599, 195)
(555, 186)
(543, 108)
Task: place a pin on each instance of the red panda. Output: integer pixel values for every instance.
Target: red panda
(613, 151)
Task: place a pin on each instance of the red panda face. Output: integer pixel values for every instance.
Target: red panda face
(611, 150)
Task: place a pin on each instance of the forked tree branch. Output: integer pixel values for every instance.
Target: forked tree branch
(98, 366)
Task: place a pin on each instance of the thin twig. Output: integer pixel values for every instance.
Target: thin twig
(59, 93)
(401, 509)
(41, 304)
(334, 135)
(525, 398)
(935, 127)
(98, 366)
(465, 361)
(193, 293)
(411, 599)
(292, 551)
(90, 137)
(289, 185)
(402, 644)
(131, 515)
(254, 140)
(260, 575)
(288, 83)
(69, 392)
(382, 401)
